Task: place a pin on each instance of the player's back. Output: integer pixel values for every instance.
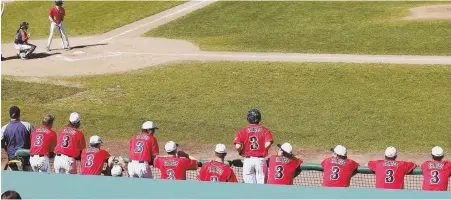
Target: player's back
(70, 142)
(254, 137)
(92, 161)
(338, 171)
(436, 175)
(390, 173)
(43, 141)
(282, 170)
(173, 168)
(141, 147)
(214, 171)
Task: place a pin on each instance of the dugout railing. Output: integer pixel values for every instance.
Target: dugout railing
(311, 175)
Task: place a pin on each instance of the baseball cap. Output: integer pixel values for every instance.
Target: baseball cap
(221, 148)
(286, 147)
(170, 146)
(14, 111)
(340, 150)
(438, 151)
(74, 117)
(390, 152)
(116, 170)
(148, 125)
(95, 140)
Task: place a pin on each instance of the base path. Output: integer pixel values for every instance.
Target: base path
(123, 49)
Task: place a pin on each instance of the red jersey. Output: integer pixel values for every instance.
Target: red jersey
(174, 168)
(338, 172)
(253, 138)
(142, 147)
(70, 142)
(282, 170)
(92, 160)
(214, 171)
(57, 14)
(390, 173)
(436, 175)
(43, 141)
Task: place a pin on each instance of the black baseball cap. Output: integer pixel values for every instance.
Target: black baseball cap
(14, 112)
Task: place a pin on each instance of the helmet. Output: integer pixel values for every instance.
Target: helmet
(254, 116)
(59, 2)
(24, 24)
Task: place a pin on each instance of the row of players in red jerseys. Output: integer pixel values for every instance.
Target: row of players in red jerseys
(254, 139)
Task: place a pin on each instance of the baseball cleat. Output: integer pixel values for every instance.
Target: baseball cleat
(47, 48)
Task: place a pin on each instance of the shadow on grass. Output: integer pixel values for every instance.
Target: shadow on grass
(32, 56)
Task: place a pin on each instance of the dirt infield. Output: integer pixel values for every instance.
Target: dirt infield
(430, 12)
(122, 50)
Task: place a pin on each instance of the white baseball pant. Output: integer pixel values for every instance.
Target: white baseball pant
(139, 170)
(39, 164)
(255, 170)
(65, 164)
(53, 28)
(25, 49)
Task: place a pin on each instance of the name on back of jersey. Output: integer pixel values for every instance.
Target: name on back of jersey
(282, 160)
(90, 149)
(142, 137)
(390, 164)
(435, 166)
(338, 161)
(42, 130)
(171, 163)
(254, 129)
(70, 131)
(214, 169)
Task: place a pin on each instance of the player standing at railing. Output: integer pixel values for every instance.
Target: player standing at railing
(43, 142)
(175, 164)
(142, 151)
(390, 172)
(338, 169)
(252, 142)
(216, 170)
(436, 172)
(284, 166)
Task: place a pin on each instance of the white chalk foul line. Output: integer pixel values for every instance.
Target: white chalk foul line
(151, 22)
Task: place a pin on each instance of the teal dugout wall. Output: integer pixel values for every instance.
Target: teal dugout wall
(62, 186)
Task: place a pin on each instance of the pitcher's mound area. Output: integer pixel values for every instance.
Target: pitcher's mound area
(430, 12)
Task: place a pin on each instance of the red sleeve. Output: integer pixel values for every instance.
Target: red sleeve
(238, 138)
(268, 136)
(155, 149)
(191, 164)
(82, 140)
(106, 154)
(324, 162)
(356, 165)
(53, 140)
(51, 12)
(372, 165)
(156, 162)
(299, 162)
(410, 166)
(424, 165)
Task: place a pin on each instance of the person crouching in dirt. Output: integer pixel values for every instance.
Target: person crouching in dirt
(21, 42)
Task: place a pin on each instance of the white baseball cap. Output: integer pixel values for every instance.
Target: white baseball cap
(340, 150)
(95, 140)
(438, 151)
(390, 152)
(148, 125)
(170, 146)
(286, 147)
(74, 117)
(221, 148)
(116, 170)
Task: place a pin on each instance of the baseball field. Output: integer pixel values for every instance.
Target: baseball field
(197, 72)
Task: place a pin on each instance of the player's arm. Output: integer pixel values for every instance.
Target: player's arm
(238, 141)
(4, 144)
(298, 169)
(268, 139)
(107, 170)
(232, 177)
(356, 167)
(372, 165)
(410, 166)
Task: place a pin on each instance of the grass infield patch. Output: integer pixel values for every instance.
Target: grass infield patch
(312, 105)
(312, 27)
(82, 17)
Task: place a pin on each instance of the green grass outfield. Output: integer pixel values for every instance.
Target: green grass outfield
(82, 18)
(314, 105)
(312, 27)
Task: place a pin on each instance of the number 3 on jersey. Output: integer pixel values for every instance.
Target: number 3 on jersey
(254, 142)
(139, 147)
(335, 173)
(435, 177)
(90, 159)
(66, 141)
(38, 140)
(390, 176)
(279, 172)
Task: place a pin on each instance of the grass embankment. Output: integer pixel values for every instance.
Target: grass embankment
(312, 105)
(82, 17)
(311, 27)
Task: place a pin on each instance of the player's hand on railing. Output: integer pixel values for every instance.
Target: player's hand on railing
(237, 163)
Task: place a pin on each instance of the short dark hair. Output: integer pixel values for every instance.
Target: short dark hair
(74, 125)
(220, 155)
(342, 157)
(437, 158)
(288, 155)
(391, 158)
(94, 145)
(14, 112)
(11, 194)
